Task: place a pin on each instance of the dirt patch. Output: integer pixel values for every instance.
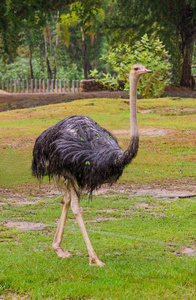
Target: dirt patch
(187, 251)
(29, 195)
(8, 295)
(152, 132)
(175, 190)
(19, 201)
(25, 225)
(179, 111)
(18, 101)
(101, 219)
(4, 92)
(176, 91)
(14, 198)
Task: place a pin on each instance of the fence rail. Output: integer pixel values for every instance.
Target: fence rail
(16, 86)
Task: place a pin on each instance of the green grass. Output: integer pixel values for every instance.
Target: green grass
(141, 247)
(161, 157)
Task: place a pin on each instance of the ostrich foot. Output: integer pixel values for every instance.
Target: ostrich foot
(97, 262)
(62, 253)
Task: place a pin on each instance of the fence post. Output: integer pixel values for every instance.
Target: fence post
(43, 86)
(48, 86)
(15, 86)
(8, 85)
(69, 88)
(23, 86)
(11, 87)
(36, 85)
(73, 86)
(32, 86)
(56, 86)
(19, 87)
(40, 85)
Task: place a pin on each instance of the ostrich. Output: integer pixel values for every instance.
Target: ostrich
(86, 156)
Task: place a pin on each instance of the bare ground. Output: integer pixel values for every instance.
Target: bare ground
(172, 193)
(184, 188)
(16, 101)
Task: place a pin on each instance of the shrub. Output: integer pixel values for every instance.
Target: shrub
(153, 55)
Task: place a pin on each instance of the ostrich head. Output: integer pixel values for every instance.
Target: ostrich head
(135, 73)
(137, 70)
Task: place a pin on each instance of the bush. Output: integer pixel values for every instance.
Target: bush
(153, 55)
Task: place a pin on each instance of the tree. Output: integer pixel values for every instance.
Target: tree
(14, 12)
(87, 29)
(174, 21)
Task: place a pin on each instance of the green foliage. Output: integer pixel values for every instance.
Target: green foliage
(44, 30)
(171, 21)
(20, 69)
(94, 73)
(81, 29)
(107, 80)
(194, 60)
(65, 22)
(152, 54)
(70, 72)
(104, 23)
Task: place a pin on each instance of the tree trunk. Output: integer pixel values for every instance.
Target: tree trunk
(30, 63)
(56, 48)
(83, 48)
(49, 71)
(187, 28)
(186, 77)
(30, 54)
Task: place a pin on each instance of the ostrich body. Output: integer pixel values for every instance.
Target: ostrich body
(86, 156)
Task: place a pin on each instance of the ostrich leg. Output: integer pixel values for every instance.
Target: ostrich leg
(56, 245)
(78, 213)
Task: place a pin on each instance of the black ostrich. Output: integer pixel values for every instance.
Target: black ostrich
(86, 156)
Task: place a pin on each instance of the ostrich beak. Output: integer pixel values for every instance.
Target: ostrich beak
(146, 71)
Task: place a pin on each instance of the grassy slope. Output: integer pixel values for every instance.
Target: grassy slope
(160, 158)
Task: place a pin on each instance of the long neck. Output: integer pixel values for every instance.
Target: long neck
(133, 105)
(132, 149)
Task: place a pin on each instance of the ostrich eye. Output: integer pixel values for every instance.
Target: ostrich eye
(136, 69)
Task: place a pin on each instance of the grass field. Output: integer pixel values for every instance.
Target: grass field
(167, 149)
(148, 243)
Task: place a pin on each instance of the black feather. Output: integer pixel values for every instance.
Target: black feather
(78, 149)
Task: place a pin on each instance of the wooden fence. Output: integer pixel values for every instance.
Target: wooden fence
(40, 86)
